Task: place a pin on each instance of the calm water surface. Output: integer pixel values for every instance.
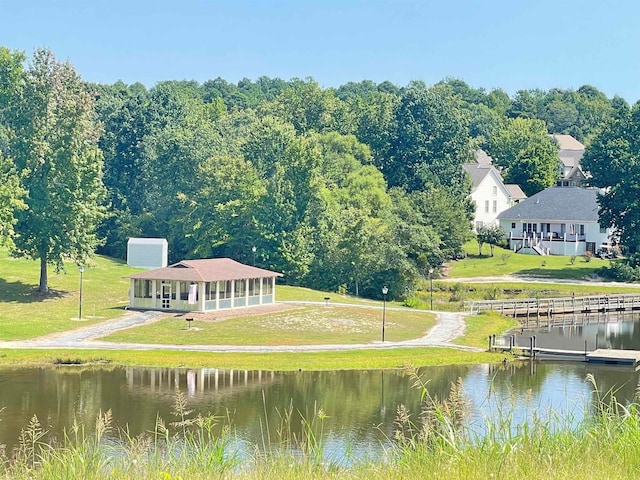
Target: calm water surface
(360, 405)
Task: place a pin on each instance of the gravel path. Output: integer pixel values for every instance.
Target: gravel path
(449, 327)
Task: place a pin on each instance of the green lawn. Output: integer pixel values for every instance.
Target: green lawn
(305, 325)
(26, 314)
(505, 262)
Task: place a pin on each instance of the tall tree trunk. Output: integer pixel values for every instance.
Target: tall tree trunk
(44, 284)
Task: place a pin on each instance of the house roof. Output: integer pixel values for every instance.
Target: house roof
(205, 270)
(478, 172)
(567, 142)
(515, 191)
(557, 204)
(483, 158)
(571, 150)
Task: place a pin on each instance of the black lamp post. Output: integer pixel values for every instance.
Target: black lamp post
(385, 290)
(81, 269)
(431, 287)
(253, 249)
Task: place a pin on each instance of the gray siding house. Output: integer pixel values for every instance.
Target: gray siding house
(556, 221)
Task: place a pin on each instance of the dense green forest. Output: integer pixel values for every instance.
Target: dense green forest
(344, 188)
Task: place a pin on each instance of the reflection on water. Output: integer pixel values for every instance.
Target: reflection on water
(360, 405)
(577, 332)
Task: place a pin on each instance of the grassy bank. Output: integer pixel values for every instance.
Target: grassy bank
(284, 361)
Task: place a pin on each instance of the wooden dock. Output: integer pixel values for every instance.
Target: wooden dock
(599, 356)
(614, 357)
(548, 307)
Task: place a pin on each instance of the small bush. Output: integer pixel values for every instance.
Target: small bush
(505, 258)
(458, 292)
(572, 260)
(411, 302)
(492, 293)
(587, 256)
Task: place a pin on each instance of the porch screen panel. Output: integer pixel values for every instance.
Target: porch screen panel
(142, 288)
(266, 286)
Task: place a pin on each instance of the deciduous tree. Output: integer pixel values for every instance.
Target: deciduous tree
(55, 150)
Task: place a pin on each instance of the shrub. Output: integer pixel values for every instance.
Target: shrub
(572, 260)
(587, 256)
(620, 271)
(492, 293)
(458, 292)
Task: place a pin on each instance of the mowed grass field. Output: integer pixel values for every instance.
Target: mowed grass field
(299, 325)
(505, 262)
(26, 314)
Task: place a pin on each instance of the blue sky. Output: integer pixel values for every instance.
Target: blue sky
(510, 44)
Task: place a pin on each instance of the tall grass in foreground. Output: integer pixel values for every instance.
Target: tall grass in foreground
(432, 443)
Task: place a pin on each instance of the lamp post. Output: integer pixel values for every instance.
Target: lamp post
(385, 290)
(431, 287)
(253, 249)
(81, 269)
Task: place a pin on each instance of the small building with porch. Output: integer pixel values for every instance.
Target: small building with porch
(202, 286)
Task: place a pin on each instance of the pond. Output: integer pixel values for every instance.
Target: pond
(360, 406)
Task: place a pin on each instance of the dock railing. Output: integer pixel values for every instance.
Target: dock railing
(525, 307)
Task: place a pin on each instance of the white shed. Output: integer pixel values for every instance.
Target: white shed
(147, 252)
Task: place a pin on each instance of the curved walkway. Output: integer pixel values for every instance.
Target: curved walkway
(448, 327)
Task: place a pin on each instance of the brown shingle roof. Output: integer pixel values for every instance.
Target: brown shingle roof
(205, 270)
(515, 191)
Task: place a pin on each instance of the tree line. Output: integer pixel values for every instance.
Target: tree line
(346, 188)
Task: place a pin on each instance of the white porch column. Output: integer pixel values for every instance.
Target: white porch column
(260, 291)
(233, 293)
(246, 292)
(273, 289)
(154, 294)
(132, 292)
(201, 299)
(217, 297)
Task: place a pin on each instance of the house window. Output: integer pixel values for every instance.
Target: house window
(495, 206)
(486, 206)
(513, 224)
(495, 190)
(581, 229)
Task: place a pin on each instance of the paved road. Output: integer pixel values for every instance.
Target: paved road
(449, 327)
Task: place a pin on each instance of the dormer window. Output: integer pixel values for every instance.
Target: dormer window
(495, 190)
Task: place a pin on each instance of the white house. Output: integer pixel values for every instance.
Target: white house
(202, 285)
(489, 192)
(556, 221)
